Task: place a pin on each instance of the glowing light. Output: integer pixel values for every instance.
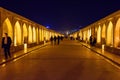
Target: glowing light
(25, 48)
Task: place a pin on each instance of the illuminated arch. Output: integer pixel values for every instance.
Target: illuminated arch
(34, 34)
(99, 34)
(89, 34)
(17, 34)
(103, 34)
(7, 28)
(117, 34)
(110, 34)
(40, 34)
(30, 34)
(25, 33)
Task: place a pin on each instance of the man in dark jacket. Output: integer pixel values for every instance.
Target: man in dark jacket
(6, 43)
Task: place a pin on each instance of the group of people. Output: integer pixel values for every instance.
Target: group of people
(56, 40)
(92, 40)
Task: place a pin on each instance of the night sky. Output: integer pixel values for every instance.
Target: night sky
(62, 15)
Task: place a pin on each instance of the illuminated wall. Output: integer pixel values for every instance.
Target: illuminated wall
(40, 34)
(117, 34)
(110, 34)
(25, 33)
(88, 34)
(7, 28)
(17, 34)
(34, 34)
(30, 39)
(99, 34)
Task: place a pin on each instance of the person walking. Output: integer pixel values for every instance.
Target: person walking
(51, 39)
(55, 38)
(6, 43)
(58, 40)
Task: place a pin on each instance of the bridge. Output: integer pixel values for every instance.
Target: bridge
(34, 57)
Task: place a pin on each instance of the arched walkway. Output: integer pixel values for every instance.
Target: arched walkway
(99, 34)
(7, 28)
(117, 34)
(110, 34)
(34, 34)
(17, 34)
(104, 34)
(25, 33)
(30, 39)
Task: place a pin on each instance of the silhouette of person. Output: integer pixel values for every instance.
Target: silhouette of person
(51, 39)
(55, 40)
(58, 40)
(6, 42)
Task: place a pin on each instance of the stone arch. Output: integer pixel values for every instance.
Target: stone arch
(30, 34)
(104, 34)
(109, 41)
(25, 33)
(7, 28)
(34, 34)
(17, 34)
(117, 34)
(99, 34)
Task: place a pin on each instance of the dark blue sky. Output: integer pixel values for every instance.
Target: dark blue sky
(62, 15)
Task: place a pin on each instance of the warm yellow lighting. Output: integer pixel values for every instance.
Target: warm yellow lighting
(3, 65)
(99, 35)
(3, 60)
(34, 34)
(14, 56)
(25, 33)
(25, 48)
(17, 34)
(117, 34)
(30, 34)
(110, 34)
(103, 47)
(7, 28)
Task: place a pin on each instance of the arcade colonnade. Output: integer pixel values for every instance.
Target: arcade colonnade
(23, 30)
(106, 31)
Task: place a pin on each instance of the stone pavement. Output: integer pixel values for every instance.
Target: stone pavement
(20, 53)
(115, 59)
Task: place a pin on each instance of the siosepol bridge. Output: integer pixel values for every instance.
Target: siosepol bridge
(23, 30)
(106, 31)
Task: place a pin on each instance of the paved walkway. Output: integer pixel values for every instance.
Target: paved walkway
(67, 61)
(19, 53)
(115, 59)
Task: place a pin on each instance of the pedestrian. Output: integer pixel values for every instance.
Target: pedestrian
(6, 43)
(58, 39)
(55, 38)
(51, 39)
(91, 40)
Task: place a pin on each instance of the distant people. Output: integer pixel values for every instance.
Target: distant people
(58, 38)
(91, 40)
(6, 43)
(94, 40)
(51, 39)
(55, 38)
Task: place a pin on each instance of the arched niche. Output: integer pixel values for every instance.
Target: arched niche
(30, 34)
(104, 34)
(7, 28)
(99, 34)
(117, 34)
(17, 34)
(34, 34)
(25, 33)
(109, 41)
